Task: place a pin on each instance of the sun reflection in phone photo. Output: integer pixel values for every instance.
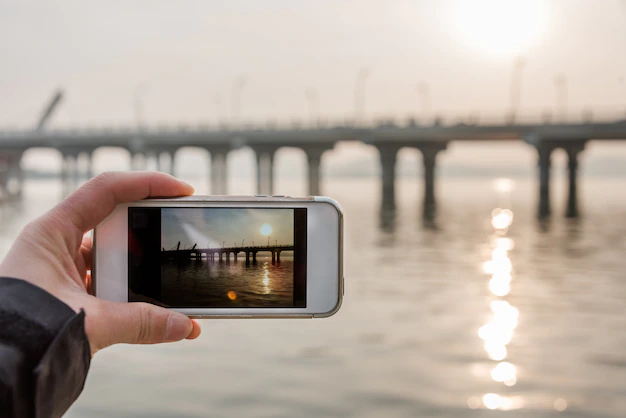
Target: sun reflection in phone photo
(266, 279)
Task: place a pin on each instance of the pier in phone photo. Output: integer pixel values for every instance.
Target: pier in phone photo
(223, 254)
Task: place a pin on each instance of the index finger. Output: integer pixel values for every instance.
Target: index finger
(96, 199)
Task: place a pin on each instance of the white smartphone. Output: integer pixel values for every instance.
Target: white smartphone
(224, 256)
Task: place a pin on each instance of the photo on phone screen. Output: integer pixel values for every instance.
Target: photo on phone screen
(217, 257)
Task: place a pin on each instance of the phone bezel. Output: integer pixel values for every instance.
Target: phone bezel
(324, 254)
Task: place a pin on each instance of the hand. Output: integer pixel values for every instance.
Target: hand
(54, 253)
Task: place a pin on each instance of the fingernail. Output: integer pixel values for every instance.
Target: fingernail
(178, 327)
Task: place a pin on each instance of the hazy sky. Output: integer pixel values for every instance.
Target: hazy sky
(178, 58)
(177, 62)
(213, 226)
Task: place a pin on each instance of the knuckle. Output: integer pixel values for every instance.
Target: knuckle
(101, 181)
(105, 177)
(145, 318)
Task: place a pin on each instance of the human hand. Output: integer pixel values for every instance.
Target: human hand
(54, 253)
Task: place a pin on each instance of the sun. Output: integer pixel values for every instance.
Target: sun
(266, 229)
(500, 26)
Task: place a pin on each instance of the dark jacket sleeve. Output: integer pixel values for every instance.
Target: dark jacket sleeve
(44, 352)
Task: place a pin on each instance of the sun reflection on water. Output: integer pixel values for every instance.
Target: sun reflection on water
(505, 403)
(498, 332)
(501, 219)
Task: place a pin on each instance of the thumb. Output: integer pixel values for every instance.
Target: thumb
(139, 323)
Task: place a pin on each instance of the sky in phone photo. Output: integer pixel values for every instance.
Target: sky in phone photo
(214, 227)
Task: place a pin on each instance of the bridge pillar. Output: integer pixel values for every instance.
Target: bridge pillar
(572, 198)
(76, 171)
(388, 155)
(18, 172)
(314, 157)
(70, 174)
(11, 170)
(218, 172)
(429, 154)
(89, 162)
(254, 257)
(14, 171)
(64, 169)
(273, 257)
(259, 174)
(247, 258)
(278, 257)
(265, 170)
(270, 175)
(544, 152)
(20, 175)
(155, 157)
(172, 162)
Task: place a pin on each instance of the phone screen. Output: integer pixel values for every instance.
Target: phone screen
(217, 257)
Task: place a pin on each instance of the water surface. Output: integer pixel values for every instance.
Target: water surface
(233, 283)
(443, 319)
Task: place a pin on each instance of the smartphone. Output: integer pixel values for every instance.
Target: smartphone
(224, 256)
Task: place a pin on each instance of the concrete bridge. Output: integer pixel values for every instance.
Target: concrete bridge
(388, 137)
(223, 254)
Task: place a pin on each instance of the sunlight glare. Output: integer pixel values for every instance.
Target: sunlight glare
(503, 243)
(495, 351)
(492, 400)
(504, 372)
(500, 26)
(499, 288)
(266, 229)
